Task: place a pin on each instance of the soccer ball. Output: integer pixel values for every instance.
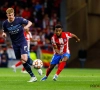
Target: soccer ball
(37, 64)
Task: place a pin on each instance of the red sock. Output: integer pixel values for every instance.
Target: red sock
(18, 64)
(60, 67)
(48, 72)
(23, 69)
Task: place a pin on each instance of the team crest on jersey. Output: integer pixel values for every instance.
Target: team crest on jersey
(24, 19)
(65, 39)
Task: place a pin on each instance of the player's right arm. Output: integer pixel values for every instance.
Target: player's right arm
(76, 38)
(56, 49)
(71, 35)
(55, 46)
(3, 30)
(4, 34)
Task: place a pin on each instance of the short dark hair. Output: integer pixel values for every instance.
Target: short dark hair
(58, 26)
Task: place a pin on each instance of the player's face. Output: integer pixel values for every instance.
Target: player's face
(10, 16)
(58, 31)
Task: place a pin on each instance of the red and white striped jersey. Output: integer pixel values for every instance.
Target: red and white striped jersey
(62, 42)
(28, 36)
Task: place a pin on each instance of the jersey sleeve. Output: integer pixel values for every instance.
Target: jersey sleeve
(4, 27)
(23, 20)
(69, 35)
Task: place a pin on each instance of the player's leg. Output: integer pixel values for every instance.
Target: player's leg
(30, 62)
(16, 65)
(48, 71)
(61, 65)
(26, 61)
(55, 60)
(21, 53)
(17, 54)
(28, 68)
(40, 72)
(23, 70)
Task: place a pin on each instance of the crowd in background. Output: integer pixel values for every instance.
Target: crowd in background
(44, 14)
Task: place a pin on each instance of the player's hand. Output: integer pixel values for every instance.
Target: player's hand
(4, 35)
(61, 53)
(26, 28)
(78, 40)
(58, 52)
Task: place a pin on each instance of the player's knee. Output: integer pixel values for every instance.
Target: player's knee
(23, 61)
(51, 67)
(24, 58)
(65, 59)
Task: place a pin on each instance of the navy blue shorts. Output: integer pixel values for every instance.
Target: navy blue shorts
(20, 49)
(56, 58)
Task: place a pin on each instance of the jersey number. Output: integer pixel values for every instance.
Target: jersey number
(25, 48)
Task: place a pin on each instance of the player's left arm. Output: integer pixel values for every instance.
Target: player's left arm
(28, 25)
(75, 37)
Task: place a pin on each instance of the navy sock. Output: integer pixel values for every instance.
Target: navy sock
(28, 69)
(29, 61)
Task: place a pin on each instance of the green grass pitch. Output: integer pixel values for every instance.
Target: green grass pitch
(69, 79)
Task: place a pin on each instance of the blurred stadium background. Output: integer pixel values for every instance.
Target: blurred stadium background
(81, 17)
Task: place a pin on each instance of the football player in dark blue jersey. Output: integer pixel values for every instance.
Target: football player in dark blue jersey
(15, 26)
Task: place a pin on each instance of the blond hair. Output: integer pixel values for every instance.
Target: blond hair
(10, 10)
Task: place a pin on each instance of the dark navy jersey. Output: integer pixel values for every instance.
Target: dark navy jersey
(15, 29)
